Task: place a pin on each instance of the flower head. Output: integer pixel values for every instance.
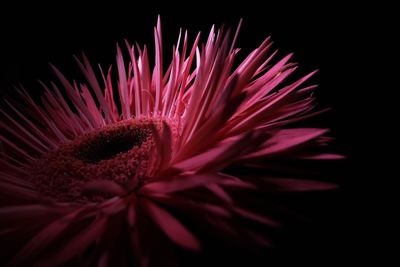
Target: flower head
(100, 169)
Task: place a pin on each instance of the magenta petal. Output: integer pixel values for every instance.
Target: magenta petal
(45, 237)
(15, 192)
(182, 203)
(256, 217)
(103, 187)
(287, 184)
(77, 244)
(324, 156)
(180, 183)
(23, 212)
(258, 239)
(131, 215)
(172, 227)
(220, 193)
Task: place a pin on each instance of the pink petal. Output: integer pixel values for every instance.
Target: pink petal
(286, 139)
(219, 157)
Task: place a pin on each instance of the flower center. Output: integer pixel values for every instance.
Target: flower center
(109, 143)
(118, 152)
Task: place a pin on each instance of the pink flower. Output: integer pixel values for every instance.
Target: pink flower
(101, 170)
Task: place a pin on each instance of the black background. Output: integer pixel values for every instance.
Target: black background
(330, 37)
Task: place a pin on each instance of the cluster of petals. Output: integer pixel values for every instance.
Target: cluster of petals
(182, 129)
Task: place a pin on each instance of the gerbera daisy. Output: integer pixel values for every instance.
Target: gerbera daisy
(116, 170)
